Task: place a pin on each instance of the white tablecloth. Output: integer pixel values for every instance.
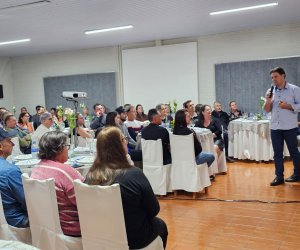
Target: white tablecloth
(249, 139)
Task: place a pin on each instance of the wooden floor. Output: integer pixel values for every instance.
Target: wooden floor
(196, 224)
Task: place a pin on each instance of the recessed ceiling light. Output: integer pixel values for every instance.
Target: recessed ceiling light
(108, 29)
(15, 41)
(245, 8)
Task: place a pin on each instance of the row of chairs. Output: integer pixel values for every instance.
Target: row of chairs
(182, 174)
(100, 214)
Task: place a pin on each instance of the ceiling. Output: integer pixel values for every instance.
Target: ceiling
(59, 25)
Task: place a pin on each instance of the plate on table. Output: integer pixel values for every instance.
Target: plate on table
(28, 163)
(85, 160)
(23, 157)
(81, 150)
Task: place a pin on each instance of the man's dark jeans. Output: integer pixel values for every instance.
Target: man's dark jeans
(290, 137)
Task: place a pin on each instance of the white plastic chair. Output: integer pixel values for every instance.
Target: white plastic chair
(8, 232)
(43, 214)
(156, 172)
(185, 173)
(102, 223)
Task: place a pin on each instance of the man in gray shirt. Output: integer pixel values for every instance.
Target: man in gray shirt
(283, 100)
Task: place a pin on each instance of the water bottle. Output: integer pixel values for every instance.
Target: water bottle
(34, 149)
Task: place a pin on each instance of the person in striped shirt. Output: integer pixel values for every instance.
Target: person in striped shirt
(53, 152)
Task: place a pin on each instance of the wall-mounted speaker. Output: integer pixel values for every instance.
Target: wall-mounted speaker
(1, 91)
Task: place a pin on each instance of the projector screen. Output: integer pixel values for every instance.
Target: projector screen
(160, 74)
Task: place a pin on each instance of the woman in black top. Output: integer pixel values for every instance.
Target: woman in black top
(213, 125)
(182, 119)
(140, 205)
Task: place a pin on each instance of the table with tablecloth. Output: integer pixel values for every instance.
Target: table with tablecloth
(250, 139)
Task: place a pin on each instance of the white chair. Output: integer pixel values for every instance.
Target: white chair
(185, 173)
(8, 232)
(156, 172)
(102, 223)
(43, 216)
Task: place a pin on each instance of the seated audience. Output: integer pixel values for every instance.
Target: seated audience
(53, 152)
(46, 123)
(190, 107)
(140, 115)
(85, 113)
(24, 122)
(223, 119)
(165, 119)
(123, 116)
(11, 186)
(198, 110)
(36, 118)
(234, 112)
(140, 205)
(213, 125)
(98, 121)
(81, 130)
(113, 119)
(24, 110)
(182, 119)
(23, 135)
(153, 132)
(133, 126)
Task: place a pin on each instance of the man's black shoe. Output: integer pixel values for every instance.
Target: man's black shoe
(228, 159)
(277, 181)
(293, 178)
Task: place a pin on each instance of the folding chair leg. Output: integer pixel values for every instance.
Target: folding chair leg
(206, 190)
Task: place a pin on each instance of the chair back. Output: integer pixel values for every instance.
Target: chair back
(182, 148)
(185, 173)
(8, 232)
(44, 217)
(153, 168)
(16, 149)
(152, 152)
(101, 216)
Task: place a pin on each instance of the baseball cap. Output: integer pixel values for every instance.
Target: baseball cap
(120, 110)
(7, 134)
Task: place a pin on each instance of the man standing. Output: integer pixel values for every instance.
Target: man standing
(283, 100)
(223, 119)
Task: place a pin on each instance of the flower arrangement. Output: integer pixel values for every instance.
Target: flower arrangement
(82, 105)
(173, 108)
(262, 101)
(69, 113)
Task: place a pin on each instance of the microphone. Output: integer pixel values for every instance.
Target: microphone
(271, 91)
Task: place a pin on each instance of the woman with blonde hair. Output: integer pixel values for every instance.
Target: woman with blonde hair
(139, 202)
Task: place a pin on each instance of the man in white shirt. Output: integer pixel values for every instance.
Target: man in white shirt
(133, 125)
(46, 122)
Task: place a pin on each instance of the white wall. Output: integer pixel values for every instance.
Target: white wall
(28, 72)
(6, 81)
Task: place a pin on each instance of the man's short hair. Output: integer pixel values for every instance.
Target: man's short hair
(45, 116)
(127, 107)
(152, 113)
(158, 106)
(37, 108)
(278, 70)
(95, 105)
(185, 104)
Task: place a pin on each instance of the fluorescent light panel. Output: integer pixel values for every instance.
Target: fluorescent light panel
(245, 8)
(15, 41)
(108, 29)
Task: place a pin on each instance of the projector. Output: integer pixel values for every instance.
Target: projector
(74, 94)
